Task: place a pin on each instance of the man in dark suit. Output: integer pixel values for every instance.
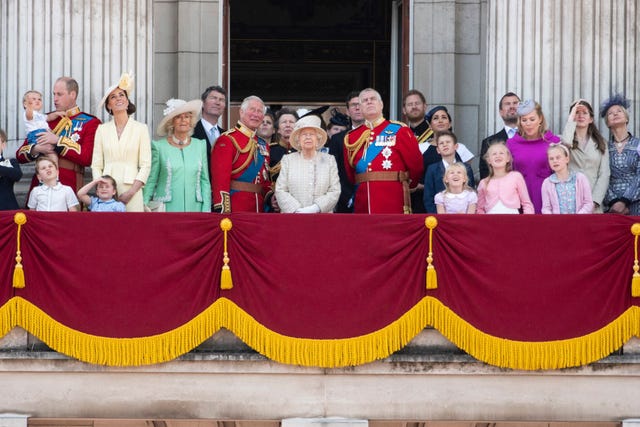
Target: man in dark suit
(508, 107)
(214, 102)
(414, 107)
(336, 144)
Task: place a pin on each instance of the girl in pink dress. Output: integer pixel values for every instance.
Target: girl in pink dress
(504, 190)
(457, 197)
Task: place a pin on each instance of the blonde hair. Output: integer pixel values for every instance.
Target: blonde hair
(461, 167)
(559, 146)
(509, 166)
(24, 97)
(543, 125)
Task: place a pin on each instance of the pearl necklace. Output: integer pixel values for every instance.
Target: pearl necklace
(179, 143)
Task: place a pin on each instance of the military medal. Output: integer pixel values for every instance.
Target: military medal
(386, 163)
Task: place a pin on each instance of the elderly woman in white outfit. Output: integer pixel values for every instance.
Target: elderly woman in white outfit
(308, 180)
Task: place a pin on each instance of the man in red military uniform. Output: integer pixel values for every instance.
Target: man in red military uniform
(240, 163)
(382, 159)
(70, 137)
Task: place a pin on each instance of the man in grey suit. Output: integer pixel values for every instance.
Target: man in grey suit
(508, 107)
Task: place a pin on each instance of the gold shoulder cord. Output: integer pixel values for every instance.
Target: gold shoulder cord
(250, 148)
(355, 147)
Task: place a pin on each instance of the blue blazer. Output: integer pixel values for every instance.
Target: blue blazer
(8, 177)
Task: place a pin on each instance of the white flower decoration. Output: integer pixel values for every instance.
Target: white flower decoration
(386, 164)
(386, 152)
(172, 104)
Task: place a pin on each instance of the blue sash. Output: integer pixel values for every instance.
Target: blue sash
(249, 174)
(376, 147)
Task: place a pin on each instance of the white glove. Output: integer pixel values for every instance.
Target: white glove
(309, 209)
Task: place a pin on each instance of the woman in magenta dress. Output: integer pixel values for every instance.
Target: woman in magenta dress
(529, 149)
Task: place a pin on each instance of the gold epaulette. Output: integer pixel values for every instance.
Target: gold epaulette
(403, 124)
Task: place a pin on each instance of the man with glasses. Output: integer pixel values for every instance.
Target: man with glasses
(336, 147)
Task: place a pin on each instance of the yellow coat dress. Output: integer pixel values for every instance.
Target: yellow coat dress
(126, 159)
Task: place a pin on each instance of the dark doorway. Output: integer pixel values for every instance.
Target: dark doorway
(308, 51)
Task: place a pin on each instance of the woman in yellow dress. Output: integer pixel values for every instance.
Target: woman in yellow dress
(122, 146)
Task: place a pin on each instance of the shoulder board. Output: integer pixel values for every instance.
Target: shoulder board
(395, 122)
(84, 117)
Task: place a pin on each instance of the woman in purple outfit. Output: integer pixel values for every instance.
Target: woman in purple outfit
(529, 149)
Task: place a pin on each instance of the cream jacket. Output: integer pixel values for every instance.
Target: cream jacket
(303, 182)
(125, 159)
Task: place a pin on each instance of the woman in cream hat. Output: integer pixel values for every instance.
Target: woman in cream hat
(308, 180)
(179, 179)
(122, 146)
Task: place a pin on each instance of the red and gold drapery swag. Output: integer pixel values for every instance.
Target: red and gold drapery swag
(516, 291)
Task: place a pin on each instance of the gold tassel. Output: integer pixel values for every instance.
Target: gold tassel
(18, 273)
(635, 281)
(225, 277)
(432, 278)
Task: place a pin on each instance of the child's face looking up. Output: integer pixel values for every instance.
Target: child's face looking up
(47, 171)
(498, 155)
(446, 146)
(33, 100)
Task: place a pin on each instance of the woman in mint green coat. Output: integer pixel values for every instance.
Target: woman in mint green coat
(179, 179)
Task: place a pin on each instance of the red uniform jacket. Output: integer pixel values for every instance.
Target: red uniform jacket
(398, 152)
(240, 171)
(75, 147)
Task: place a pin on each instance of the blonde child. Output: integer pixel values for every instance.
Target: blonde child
(34, 121)
(457, 196)
(106, 198)
(50, 195)
(504, 191)
(565, 191)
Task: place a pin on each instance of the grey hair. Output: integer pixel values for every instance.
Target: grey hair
(245, 103)
(370, 89)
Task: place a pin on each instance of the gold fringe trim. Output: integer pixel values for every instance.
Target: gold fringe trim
(116, 351)
(527, 355)
(328, 353)
(635, 279)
